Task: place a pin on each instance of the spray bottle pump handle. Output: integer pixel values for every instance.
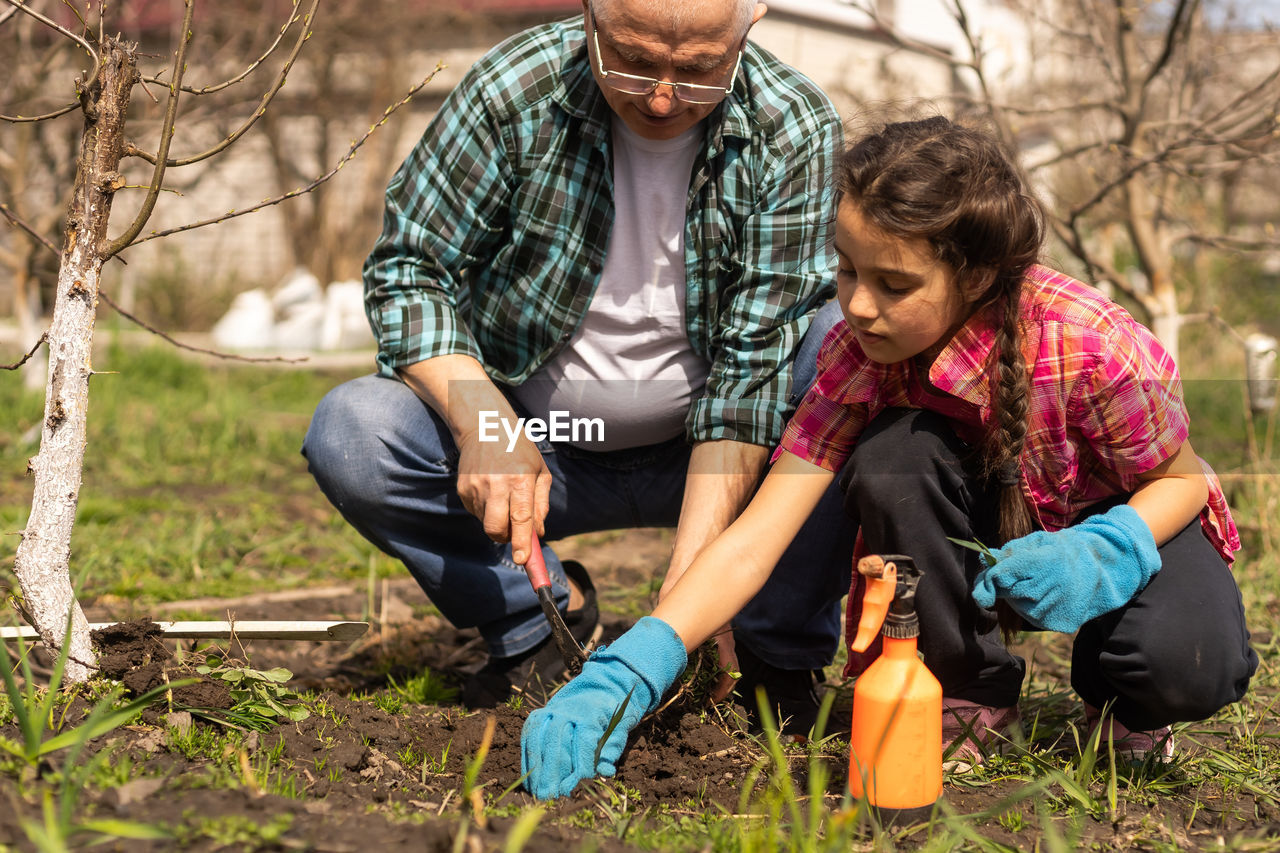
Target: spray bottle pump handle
(882, 585)
(890, 595)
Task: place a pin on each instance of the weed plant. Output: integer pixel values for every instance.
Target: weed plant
(260, 698)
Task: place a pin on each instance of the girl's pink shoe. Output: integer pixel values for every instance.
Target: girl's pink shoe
(972, 732)
(1131, 745)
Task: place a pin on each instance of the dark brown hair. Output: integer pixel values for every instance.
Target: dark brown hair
(958, 189)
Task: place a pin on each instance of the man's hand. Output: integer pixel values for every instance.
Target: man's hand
(509, 491)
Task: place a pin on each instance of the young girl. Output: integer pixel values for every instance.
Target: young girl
(971, 394)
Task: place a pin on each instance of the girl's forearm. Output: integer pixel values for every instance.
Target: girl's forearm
(728, 572)
(1172, 494)
(723, 578)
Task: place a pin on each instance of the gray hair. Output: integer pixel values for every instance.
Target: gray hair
(676, 13)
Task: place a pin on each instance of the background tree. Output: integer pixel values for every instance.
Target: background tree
(109, 164)
(1150, 127)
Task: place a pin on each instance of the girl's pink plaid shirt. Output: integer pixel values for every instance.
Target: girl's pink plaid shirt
(1105, 401)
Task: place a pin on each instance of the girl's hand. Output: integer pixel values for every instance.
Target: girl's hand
(1061, 580)
(564, 742)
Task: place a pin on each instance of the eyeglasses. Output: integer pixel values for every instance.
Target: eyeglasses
(634, 84)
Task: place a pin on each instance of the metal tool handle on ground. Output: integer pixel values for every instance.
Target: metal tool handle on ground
(536, 568)
(248, 629)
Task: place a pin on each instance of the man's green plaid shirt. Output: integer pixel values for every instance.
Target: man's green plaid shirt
(497, 223)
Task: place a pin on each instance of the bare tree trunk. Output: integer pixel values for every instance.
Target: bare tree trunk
(42, 563)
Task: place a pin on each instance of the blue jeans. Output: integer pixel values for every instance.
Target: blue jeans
(389, 465)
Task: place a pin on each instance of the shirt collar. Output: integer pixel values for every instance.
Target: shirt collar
(578, 95)
(960, 368)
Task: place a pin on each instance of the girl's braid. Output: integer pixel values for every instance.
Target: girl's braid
(1009, 405)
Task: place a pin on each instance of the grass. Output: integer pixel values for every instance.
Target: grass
(193, 483)
(194, 487)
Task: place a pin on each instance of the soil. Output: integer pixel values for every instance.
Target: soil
(356, 777)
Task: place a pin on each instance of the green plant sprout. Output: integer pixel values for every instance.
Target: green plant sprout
(425, 688)
(260, 698)
(470, 793)
(613, 724)
(59, 833)
(523, 829)
(975, 545)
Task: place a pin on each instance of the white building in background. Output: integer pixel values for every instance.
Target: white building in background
(847, 53)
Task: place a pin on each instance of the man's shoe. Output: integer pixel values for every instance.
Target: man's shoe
(791, 694)
(972, 732)
(1128, 745)
(535, 673)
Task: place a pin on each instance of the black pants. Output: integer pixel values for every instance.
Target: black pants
(1178, 651)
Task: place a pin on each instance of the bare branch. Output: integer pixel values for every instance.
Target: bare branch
(889, 31)
(69, 108)
(1234, 244)
(1043, 112)
(43, 339)
(166, 137)
(34, 234)
(351, 152)
(1065, 155)
(1248, 102)
(1124, 176)
(1179, 23)
(977, 66)
(180, 345)
(258, 111)
(207, 90)
(20, 5)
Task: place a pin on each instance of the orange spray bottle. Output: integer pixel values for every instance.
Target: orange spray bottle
(895, 755)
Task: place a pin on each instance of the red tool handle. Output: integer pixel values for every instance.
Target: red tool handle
(535, 566)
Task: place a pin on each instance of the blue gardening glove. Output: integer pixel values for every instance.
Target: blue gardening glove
(559, 743)
(1061, 580)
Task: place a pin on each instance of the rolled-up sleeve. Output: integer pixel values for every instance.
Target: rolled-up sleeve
(782, 274)
(445, 210)
(1130, 407)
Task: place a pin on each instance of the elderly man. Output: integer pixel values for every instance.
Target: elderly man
(596, 272)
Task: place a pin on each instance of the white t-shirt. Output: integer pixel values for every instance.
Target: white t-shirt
(630, 363)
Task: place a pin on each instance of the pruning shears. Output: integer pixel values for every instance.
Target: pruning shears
(536, 568)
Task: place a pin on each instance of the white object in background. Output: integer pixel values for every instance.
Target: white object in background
(1260, 371)
(345, 324)
(248, 324)
(299, 328)
(298, 287)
